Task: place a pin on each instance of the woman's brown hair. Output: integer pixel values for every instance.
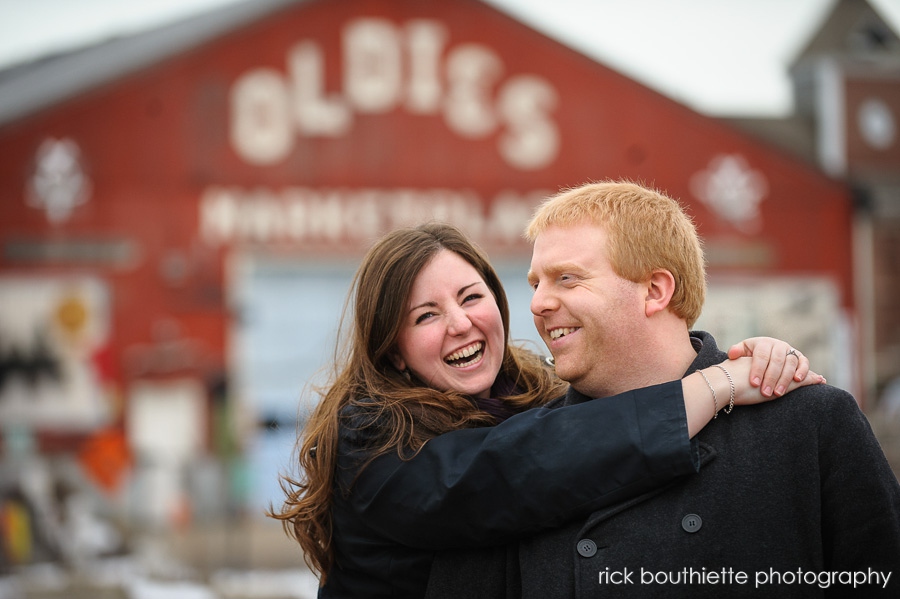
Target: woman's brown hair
(408, 412)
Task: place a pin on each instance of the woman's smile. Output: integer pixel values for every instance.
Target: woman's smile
(471, 354)
(452, 337)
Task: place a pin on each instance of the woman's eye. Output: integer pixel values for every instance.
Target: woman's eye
(472, 296)
(423, 317)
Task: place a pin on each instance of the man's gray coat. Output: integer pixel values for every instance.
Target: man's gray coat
(794, 499)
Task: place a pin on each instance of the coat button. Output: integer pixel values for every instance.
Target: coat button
(691, 523)
(587, 548)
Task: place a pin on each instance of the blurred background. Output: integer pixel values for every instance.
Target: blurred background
(186, 189)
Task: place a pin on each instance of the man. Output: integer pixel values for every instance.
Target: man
(794, 498)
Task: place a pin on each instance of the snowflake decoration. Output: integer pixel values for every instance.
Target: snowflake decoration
(59, 183)
(732, 190)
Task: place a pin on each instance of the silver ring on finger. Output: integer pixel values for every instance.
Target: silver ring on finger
(793, 352)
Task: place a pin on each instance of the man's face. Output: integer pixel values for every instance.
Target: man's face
(588, 316)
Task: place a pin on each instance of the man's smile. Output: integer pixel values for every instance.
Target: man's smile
(561, 332)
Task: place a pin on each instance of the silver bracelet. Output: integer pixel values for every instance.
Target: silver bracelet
(715, 401)
(730, 382)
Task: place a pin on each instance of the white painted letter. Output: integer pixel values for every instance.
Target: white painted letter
(261, 130)
(218, 215)
(472, 70)
(372, 65)
(425, 41)
(315, 114)
(531, 140)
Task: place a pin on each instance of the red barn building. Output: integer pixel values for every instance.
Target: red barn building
(182, 209)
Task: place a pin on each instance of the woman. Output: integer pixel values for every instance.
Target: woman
(426, 439)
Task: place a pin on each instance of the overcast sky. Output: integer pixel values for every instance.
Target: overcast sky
(721, 57)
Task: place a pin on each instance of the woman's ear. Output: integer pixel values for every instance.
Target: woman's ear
(660, 289)
(397, 361)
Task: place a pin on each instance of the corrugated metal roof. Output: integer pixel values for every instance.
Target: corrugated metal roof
(35, 85)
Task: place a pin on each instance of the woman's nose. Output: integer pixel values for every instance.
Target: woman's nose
(459, 322)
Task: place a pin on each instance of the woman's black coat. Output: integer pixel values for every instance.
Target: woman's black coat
(475, 487)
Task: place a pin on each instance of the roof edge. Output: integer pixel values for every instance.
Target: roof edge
(30, 87)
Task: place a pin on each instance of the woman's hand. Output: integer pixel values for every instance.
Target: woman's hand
(745, 393)
(759, 369)
(775, 365)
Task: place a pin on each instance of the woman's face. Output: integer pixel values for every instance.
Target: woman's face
(451, 336)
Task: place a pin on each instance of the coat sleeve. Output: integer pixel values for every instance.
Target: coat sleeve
(860, 497)
(533, 471)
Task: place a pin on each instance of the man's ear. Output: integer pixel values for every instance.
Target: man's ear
(660, 288)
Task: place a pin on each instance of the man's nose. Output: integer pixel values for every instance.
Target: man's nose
(542, 301)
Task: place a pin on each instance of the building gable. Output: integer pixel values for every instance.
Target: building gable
(314, 129)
